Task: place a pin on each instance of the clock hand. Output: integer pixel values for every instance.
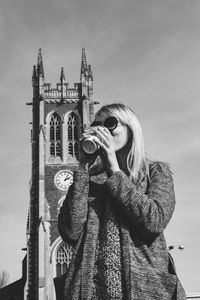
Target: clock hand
(67, 177)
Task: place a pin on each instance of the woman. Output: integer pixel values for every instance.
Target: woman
(114, 215)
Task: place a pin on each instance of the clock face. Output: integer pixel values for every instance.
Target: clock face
(63, 179)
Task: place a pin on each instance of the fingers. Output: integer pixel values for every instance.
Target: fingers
(104, 131)
(88, 133)
(100, 142)
(101, 135)
(98, 131)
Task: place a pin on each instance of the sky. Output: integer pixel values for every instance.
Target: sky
(144, 53)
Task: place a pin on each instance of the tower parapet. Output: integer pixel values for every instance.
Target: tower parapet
(62, 92)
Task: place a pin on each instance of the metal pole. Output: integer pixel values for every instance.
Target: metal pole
(33, 248)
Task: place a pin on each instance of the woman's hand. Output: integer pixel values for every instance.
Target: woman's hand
(85, 159)
(104, 139)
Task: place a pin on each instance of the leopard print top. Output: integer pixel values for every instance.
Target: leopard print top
(107, 280)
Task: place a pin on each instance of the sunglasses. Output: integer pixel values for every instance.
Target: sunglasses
(110, 123)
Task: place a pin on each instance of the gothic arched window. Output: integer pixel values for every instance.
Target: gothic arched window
(72, 130)
(55, 135)
(63, 258)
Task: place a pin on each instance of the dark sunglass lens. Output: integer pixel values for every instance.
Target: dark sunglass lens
(111, 123)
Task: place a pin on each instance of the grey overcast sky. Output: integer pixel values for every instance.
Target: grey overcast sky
(144, 53)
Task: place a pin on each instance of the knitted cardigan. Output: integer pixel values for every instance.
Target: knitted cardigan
(144, 210)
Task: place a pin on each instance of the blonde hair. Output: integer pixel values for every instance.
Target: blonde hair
(136, 158)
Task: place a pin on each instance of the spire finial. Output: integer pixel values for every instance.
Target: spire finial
(40, 68)
(62, 75)
(90, 75)
(83, 62)
(34, 75)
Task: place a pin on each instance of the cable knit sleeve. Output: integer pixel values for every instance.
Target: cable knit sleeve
(150, 210)
(73, 213)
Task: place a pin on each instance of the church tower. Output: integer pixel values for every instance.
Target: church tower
(59, 116)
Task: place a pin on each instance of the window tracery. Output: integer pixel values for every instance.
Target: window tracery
(72, 130)
(55, 135)
(63, 258)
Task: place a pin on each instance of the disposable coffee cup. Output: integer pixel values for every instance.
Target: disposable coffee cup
(89, 145)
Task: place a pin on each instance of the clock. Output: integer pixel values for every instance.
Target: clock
(63, 179)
